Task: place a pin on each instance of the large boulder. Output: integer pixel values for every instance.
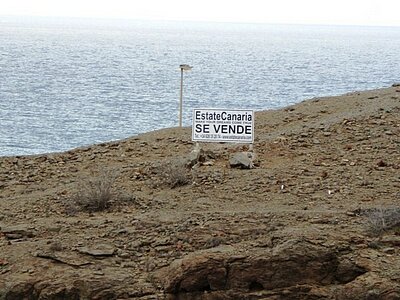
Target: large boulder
(282, 269)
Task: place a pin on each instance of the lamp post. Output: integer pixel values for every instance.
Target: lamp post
(183, 68)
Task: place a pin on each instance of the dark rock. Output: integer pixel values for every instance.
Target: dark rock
(347, 270)
(18, 231)
(381, 163)
(242, 160)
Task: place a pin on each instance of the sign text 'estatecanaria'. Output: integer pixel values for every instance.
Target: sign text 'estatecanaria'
(221, 125)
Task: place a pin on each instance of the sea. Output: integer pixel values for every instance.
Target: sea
(67, 83)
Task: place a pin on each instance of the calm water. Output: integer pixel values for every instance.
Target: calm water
(69, 83)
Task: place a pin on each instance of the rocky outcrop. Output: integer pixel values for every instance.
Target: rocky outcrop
(286, 270)
(89, 288)
(52, 290)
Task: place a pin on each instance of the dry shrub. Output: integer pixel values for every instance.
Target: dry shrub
(172, 174)
(96, 193)
(380, 220)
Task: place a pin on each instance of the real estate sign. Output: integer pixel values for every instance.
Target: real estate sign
(223, 125)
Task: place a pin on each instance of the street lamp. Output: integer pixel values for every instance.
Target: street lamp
(183, 68)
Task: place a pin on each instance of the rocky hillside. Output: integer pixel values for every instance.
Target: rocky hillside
(317, 216)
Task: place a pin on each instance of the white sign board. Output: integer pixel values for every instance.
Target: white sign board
(222, 125)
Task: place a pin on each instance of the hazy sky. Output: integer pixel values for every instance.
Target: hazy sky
(347, 12)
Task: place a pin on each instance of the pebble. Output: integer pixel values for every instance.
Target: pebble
(389, 250)
(98, 273)
(124, 255)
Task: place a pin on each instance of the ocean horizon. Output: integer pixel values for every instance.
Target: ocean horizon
(67, 83)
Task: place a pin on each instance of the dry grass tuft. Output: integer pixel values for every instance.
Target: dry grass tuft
(96, 193)
(380, 220)
(172, 174)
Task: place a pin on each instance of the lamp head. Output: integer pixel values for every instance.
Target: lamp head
(185, 67)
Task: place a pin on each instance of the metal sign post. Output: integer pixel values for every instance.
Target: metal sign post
(183, 68)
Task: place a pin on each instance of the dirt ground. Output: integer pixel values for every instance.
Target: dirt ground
(317, 217)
